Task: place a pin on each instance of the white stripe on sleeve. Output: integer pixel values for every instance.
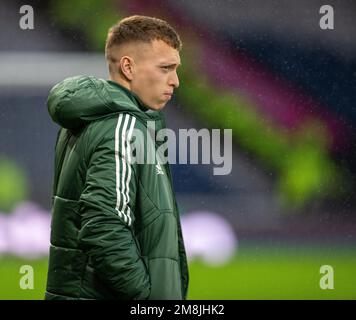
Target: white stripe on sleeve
(124, 161)
(117, 163)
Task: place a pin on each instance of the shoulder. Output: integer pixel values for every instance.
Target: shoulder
(114, 126)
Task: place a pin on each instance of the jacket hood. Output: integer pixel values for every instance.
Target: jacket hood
(76, 101)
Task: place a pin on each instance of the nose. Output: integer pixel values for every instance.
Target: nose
(174, 80)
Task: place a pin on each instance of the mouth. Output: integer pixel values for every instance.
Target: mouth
(168, 94)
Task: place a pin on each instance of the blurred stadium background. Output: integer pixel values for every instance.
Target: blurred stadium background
(266, 70)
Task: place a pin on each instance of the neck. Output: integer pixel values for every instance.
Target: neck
(121, 82)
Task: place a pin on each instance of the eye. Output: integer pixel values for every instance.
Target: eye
(166, 68)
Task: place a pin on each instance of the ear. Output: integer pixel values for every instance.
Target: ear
(126, 67)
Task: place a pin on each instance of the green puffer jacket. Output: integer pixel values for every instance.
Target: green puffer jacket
(115, 231)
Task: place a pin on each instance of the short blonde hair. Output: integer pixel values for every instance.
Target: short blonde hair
(141, 29)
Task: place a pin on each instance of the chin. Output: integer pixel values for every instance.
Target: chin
(158, 107)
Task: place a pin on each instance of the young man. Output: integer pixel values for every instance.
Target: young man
(116, 230)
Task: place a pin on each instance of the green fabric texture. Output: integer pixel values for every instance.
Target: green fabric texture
(115, 231)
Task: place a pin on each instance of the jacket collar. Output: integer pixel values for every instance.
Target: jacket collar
(132, 96)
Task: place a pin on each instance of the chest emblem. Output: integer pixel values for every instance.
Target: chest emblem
(159, 169)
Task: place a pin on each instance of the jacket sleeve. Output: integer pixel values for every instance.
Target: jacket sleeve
(107, 211)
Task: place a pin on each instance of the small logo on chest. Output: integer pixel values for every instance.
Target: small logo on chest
(159, 169)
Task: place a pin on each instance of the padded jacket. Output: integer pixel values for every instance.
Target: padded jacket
(115, 230)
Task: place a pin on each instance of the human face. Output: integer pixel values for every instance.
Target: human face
(154, 75)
